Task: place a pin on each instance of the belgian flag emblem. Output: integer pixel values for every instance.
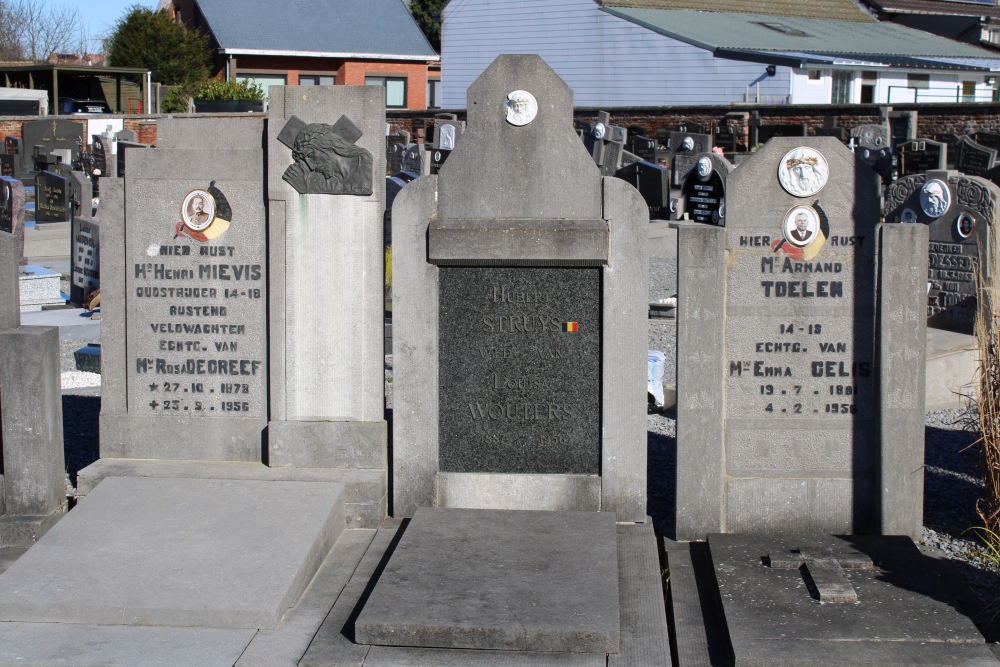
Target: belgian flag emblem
(571, 327)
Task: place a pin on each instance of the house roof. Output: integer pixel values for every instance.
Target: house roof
(833, 10)
(946, 8)
(765, 38)
(371, 29)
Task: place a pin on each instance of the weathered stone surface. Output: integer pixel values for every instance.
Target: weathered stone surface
(233, 554)
(904, 614)
(548, 581)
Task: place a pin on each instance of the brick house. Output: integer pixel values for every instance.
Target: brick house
(319, 42)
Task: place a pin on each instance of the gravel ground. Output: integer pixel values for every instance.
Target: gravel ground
(952, 483)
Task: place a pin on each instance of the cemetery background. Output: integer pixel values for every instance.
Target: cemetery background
(950, 474)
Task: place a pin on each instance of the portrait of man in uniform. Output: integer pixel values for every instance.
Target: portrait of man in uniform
(198, 210)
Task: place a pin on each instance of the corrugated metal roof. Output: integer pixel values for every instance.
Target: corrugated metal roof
(936, 7)
(714, 31)
(367, 28)
(833, 10)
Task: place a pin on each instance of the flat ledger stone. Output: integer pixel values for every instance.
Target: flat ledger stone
(499, 579)
(179, 552)
(840, 600)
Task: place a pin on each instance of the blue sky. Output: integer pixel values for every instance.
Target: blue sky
(100, 16)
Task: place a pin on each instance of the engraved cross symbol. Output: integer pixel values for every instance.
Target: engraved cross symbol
(823, 570)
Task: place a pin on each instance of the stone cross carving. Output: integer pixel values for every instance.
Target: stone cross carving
(824, 569)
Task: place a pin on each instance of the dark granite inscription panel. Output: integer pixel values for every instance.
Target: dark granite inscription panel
(705, 199)
(520, 367)
(51, 198)
(923, 155)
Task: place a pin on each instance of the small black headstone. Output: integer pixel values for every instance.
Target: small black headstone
(653, 183)
(7, 164)
(12, 145)
(922, 155)
(974, 159)
(52, 202)
(642, 146)
(100, 155)
(768, 132)
(520, 370)
(704, 199)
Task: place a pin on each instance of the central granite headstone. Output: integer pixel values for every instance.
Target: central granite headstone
(519, 305)
(520, 370)
(800, 364)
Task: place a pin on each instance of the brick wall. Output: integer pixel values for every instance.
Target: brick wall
(931, 118)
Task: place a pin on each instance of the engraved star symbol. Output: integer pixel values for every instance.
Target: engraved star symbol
(153, 404)
(153, 387)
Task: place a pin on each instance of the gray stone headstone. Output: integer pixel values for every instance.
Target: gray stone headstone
(52, 198)
(32, 474)
(871, 143)
(186, 377)
(514, 235)
(327, 305)
(786, 357)
(85, 258)
(959, 212)
(51, 135)
(126, 148)
(922, 155)
(126, 135)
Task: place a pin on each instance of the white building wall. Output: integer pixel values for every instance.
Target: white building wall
(807, 91)
(607, 61)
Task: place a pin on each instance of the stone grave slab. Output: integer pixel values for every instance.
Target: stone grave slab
(51, 135)
(499, 580)
(840, 600)
(65, 645)
(52, 200)
(85, 258)
(973, 159)
(179, 552)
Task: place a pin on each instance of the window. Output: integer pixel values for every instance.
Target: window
(842, 84)
(264, 80)
(918, 80)
(433, 93)
(395, 89)
(815, 75)
(317, 80)
(968, 91)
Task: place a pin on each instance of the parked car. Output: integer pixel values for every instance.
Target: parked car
(70, 106)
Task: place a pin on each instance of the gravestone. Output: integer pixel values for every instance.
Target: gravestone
(395, 145)
(988, 139)
(605, 143)
(447, 132)
(763, 133)
(702, 182)
(127, 136)
(972, 158)
(902, 127)
(52, 198)
(8, 165)
(922, 155)
(725, 138)
(50, 135)
(959, 212)
(184, 301)
(653, 183)
(32, 464)
(689, 143)
(413, 159)
(100, 153)
(328, 414)
(124, 148)
(824, 601)
(786, 351)
(643, 147)
(85, 258)
(871, 144)
(514, 386)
